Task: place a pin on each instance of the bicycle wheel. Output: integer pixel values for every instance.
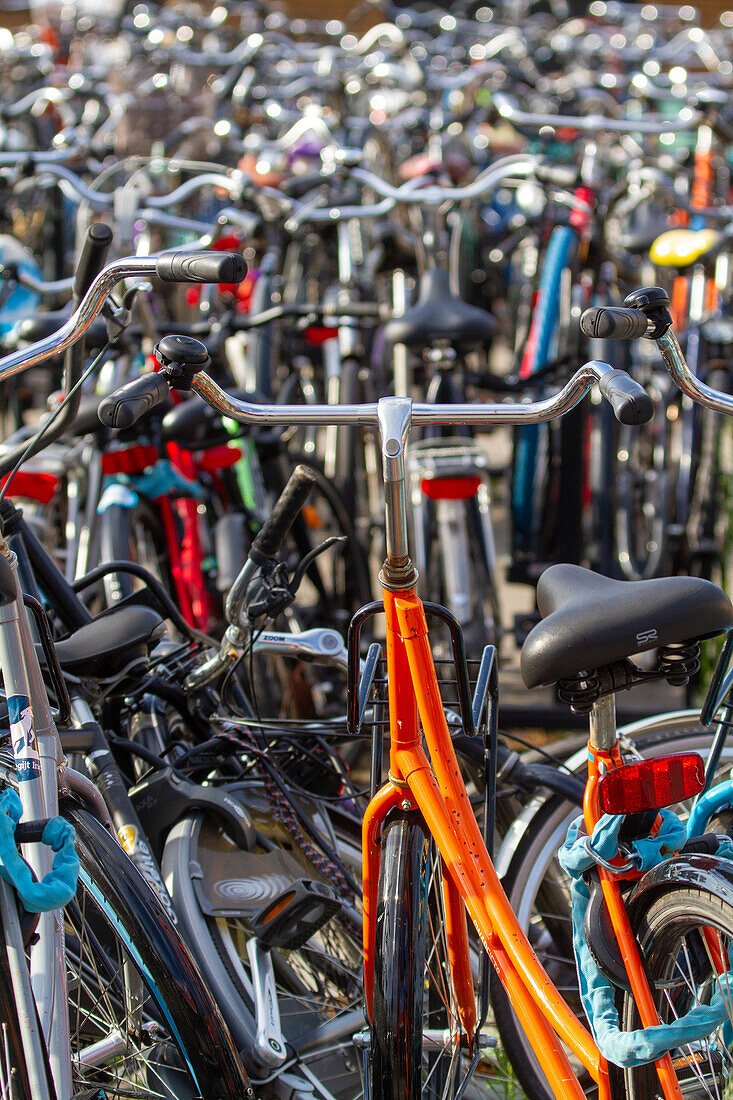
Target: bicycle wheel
(218, 889)
(709, 528)
(15, 1070)
(337, 583)
(415, 1048)
(645, 493)
(142, 1022)
(678, 933)
(136, 535)
(539, 893)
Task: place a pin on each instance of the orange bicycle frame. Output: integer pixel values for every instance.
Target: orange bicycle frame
(434, 788)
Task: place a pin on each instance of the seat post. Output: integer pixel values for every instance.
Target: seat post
(603, 734)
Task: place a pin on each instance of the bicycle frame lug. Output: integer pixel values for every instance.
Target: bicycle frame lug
(397, 577)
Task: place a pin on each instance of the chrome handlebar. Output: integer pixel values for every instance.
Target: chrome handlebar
(683, 377)
(527, 412)
(652, 124)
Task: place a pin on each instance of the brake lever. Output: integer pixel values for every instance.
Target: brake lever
(272, 592)
(302, 567)
(118, 317)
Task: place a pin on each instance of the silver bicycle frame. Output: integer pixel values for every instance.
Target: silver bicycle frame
(39, 761)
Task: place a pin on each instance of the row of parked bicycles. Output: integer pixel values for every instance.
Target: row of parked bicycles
(284, 310)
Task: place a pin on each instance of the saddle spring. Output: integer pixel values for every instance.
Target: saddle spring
(679, 661)
(580, 691)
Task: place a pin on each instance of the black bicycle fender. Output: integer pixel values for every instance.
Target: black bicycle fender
(691, 871)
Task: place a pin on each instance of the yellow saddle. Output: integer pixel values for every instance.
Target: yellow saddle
(682, 247)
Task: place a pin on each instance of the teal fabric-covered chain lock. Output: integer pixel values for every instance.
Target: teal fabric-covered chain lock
(631, 1048)
(59, 885)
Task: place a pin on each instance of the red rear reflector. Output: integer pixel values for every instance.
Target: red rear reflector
(318, 334)
(129, 460)
(450, 488)
(652, 784)
(39, 486)
(218, 458)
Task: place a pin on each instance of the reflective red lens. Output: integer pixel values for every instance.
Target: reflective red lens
(39, 486)
(450, 488)
(652, 784)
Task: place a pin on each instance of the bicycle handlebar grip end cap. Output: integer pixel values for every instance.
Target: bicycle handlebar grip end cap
(126, 405)
(201, 267)
(630, 401)
(270, 537)
(613, 323)
(92, 258)
(30, 832)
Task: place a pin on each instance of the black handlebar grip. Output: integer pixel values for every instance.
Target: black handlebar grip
(614, 323)
(126, 405)
(201, 267)
(29, 832)
(93, 254)
(631, 403)
(291, 500)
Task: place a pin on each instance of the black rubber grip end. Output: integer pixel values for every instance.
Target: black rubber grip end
(278, 523)
(29, 832)
(631, 403)
(126, 405)
(613, 323)
(93, 255)
(201, 267)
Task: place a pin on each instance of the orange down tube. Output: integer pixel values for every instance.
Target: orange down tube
(449, 815)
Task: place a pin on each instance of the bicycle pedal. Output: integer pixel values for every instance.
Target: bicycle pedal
(296, 914)
(700, 1073)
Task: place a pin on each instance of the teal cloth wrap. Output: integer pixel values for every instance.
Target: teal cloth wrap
(59, 885)
(631, 1048)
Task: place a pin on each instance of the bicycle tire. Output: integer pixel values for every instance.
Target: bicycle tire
(645, 495)
(121, 945)
(415, 1050)
(132, 534)
(533, 868)
(399, 962)
(349, 455)
(347, 566)
(480, 613)
(14, 1078)
(668, 928)
(533, 474)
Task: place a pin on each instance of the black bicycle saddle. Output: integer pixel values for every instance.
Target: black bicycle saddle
(590, 621)
(108, 643)
(440, 315)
